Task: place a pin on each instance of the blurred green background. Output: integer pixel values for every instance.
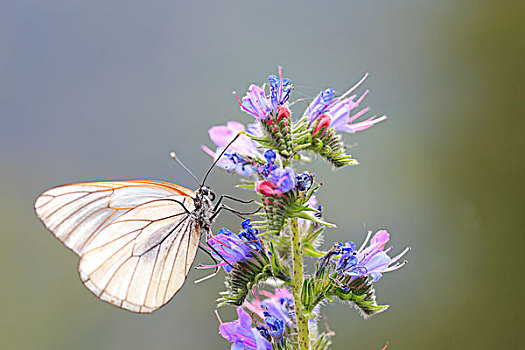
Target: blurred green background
(105, 89)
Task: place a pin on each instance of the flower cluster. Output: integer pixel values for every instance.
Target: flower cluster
(272, 112)
(292, 225)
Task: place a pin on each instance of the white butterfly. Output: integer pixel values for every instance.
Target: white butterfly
(136, 239)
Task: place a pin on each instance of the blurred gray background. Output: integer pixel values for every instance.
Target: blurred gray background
(99, 90)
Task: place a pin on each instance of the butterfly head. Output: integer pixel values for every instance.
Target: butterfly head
(205, 193)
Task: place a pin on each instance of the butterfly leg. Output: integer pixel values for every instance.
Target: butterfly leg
(232, 198)
(231, 210)
(216, 252)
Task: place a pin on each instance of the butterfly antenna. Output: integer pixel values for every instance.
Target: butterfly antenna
(220, 155)
(174, 157)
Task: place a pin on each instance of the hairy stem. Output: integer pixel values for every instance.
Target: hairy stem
(298, 277)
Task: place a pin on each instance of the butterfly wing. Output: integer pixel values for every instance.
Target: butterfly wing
(141, 259)
(135, 239)
(77, 213)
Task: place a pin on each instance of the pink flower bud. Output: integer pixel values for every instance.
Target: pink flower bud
(324, 122)
(266, 188)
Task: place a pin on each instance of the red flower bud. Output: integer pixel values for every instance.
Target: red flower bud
(283, 112)
(324, 122)
(266, 188)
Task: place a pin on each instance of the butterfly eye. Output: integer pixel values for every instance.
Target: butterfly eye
(212, 195)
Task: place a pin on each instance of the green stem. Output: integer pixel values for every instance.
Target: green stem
(298, 277)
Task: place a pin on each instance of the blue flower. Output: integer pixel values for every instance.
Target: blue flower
(282, 180)
(242, 334)
(264, 332)
(245, 224)
(275, 326)
(304, 181)
(279, 89)
(348, 259)
(249, 236)
(270, 156)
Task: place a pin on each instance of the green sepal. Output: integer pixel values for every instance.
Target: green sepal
(309, 250)
(247, 273)
(325, 143)
(322, 342)
(275, 262)
(277, 135)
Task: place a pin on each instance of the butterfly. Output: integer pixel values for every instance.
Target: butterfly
(136, 239)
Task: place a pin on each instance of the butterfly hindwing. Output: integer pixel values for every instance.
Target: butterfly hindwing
(140, 260)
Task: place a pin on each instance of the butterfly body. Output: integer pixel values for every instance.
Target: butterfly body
(204, 208)
(136, 239)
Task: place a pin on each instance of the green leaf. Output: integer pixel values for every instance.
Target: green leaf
(306, 216)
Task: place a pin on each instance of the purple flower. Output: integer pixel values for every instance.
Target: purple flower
(340, 110)
(229, 248)
(283, 179)
(255, 102)
(242, 334)
(319, 104)
(279, 304)
(372, 261)
(238, 157)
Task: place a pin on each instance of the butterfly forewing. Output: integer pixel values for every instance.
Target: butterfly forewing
(135, 239)
(76, 213)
